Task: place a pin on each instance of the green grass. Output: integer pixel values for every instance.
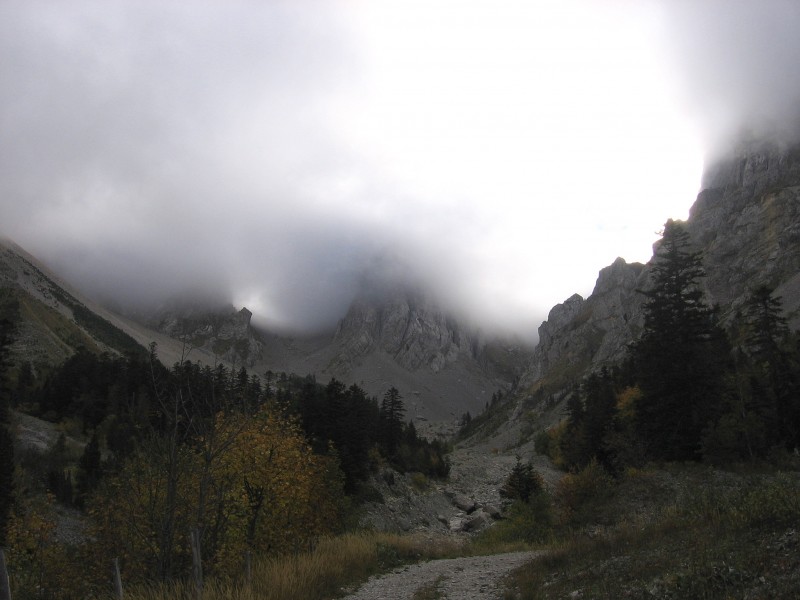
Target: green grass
(729, 537)
(52, 321)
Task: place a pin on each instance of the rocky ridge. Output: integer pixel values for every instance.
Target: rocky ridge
(746, 224)
(746, 221)
(223, 332)
(409, 327)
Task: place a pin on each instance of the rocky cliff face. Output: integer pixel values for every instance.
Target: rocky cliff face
(408, 327)
(745, 222)
(581, 333)
(224, 332)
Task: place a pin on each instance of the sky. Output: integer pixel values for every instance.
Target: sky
(280, 154)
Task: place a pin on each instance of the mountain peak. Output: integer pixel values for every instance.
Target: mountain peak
(408, 326)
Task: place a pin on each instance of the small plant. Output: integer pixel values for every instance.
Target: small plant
(420, 482)
(578, 494)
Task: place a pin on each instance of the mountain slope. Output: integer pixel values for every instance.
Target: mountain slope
(402, 338)
(53, 319)
(746, 224)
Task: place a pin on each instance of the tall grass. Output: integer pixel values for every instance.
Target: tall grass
(332, 566)
(723, 541)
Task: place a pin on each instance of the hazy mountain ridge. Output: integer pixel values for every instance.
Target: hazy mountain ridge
(746, 221)
(408, 326)
(53, 319)
(52, 322)
(223, 332)
(746, 224)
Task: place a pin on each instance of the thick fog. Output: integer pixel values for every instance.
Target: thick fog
(738, 67)
(281, 155)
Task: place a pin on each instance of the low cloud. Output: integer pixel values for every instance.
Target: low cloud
(279, 154)
(737, 63)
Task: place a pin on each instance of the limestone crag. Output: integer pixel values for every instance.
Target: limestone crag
(594, 331)
(746, 221)
(225, 332)
(407, 326)
(746, 225)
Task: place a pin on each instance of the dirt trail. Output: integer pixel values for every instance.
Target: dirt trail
(468, 578)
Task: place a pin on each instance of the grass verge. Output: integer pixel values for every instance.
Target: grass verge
(726, 541)
(333, 567)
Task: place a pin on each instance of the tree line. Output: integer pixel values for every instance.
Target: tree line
(689, 389)
(256, 465)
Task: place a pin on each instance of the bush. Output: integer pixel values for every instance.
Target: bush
(578, 494)
(523, 483)
(523, 522)
(419, 482)
(542, 443)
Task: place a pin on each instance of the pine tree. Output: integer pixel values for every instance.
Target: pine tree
(7, 334)
(391, 418)
(89, 473)
(7, 331)
(681, 356)
(774, 376)
(601, 402)
(523, 483)
(6, 479)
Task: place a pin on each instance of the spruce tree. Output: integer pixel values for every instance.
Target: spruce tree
(391, 419)
(681, 356)
(6, 479)
(7, 331)
(774, 374)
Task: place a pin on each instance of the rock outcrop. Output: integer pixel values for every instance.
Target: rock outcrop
(746, 224)
(746, 221)
(224, 332)
(409, 327)
(582, 333)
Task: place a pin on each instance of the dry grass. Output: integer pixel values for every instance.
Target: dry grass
(335, 565)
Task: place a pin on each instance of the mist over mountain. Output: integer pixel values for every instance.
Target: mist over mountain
(277, 156)
(736, 64)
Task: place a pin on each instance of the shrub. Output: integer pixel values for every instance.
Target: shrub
(541, 443)
(523, 483)
(577, 494)
(419, 482)
(523, 523)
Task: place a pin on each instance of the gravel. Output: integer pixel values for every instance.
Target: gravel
(467, 578)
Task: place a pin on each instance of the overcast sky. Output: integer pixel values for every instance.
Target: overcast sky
(273, 153)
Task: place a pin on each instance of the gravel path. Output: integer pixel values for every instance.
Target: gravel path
(469, 578)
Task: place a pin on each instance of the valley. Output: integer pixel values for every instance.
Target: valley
(533, 467)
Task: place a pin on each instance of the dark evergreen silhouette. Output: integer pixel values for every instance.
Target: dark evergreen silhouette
(6, 479)
(391, 422)
(523, 483)
(590, 418)
(682, 355)
(89, 469)
(7, 333)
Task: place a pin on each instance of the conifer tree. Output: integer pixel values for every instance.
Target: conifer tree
(681, 356)
(391, 416)
(6, 479)
(774, 376)
(89, 473)
(7, 333)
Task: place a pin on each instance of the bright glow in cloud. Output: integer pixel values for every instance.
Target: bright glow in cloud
(272, 152)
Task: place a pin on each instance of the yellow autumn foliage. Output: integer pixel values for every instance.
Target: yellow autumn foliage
(251, 484)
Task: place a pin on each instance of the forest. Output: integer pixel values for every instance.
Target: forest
(252, 466)
(256, 466)
(690, 389)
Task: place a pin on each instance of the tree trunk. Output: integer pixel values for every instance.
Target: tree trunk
(5, 586)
